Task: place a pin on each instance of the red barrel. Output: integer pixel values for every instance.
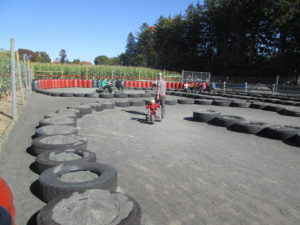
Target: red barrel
(67, 83)
(63, 83)
(75, 83)
(47, 84)
(58, 83)
(130, 84)
(80, 83)
(53, 83)
(180, 85)
(139, 84)
(71, 83)
(126, 83)
(40, 84)
(143, 84)
(90, 83)
(84, 83)
(135, 84)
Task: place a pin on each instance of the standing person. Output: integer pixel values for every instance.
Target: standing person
(161, 93)
(119, 85)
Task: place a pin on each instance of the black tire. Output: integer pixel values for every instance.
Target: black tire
(79, 94)
(5, 218)
(45, 217)
(66, 95)
(248, 127)
(58, 121)
(147, 95)
(134, 95)
(76, 111)
(171, 102)
(55, 94)
(221, 102)
(153, 94)
(92, 95)
(257, 105)
(56, 130)
(205, 115)
(109, 105)
(203, 101)
(137, 103)
(280, 132)
(62, 114)
(297, 139)
(84, 109)
(226, 120)
(106, 95)
(53, 187)
(120, 95)
(58, 142)
(97, 106)
(45, 161)
(122, 104)
(290, 112)
(138, 89)
(273, 108)
(186, 101)
(241, 104)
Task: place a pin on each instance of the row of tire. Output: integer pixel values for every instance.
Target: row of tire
(288, 134)
(237, 103)
(292, 101)
(60, 150)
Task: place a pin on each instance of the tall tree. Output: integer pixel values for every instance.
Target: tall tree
(63, 56)
(43, 57)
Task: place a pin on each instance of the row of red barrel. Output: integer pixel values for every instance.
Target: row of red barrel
(68, 83)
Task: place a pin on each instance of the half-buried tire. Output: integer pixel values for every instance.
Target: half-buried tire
(134, 95)
(109, 105)
(280, 132)
(186, 101)
(205, 115)
(122, 104)
(58, 142)
(221, 102)
(171, 102)
(120, 95)
(79, 94)
(84, 109)
(273, 108)
(64, 114)
(56, 130)
(203, 101)
(92, 95)
(106, 95)
(58, 121)
(241, 104)
(248, 127)
(53, 158)
(137, 103)
(226, 120)
(257, 105)
(68, 178)
(108, 208)
(66, 95)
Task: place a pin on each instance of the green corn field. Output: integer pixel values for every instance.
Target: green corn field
(67, 71)
(4, 75)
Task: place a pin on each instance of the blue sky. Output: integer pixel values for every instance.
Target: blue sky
(84, 28)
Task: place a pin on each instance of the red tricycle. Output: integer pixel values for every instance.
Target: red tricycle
(151, 115)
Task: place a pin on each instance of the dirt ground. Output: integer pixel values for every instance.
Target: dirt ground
(181, 172)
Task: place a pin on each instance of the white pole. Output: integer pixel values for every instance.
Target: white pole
(13, 78)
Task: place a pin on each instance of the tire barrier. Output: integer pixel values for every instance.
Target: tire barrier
(205, 115)
(203, 101)
(248, 127)
(122, 104)
(286, 133)
(54, 158)
(56, 130)
(109, 105)
(226, 120)
(83, 109)
(171, 102)
(58, 142)
(186, 101)
(58, 121)
(123, 210)
(52, 184)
